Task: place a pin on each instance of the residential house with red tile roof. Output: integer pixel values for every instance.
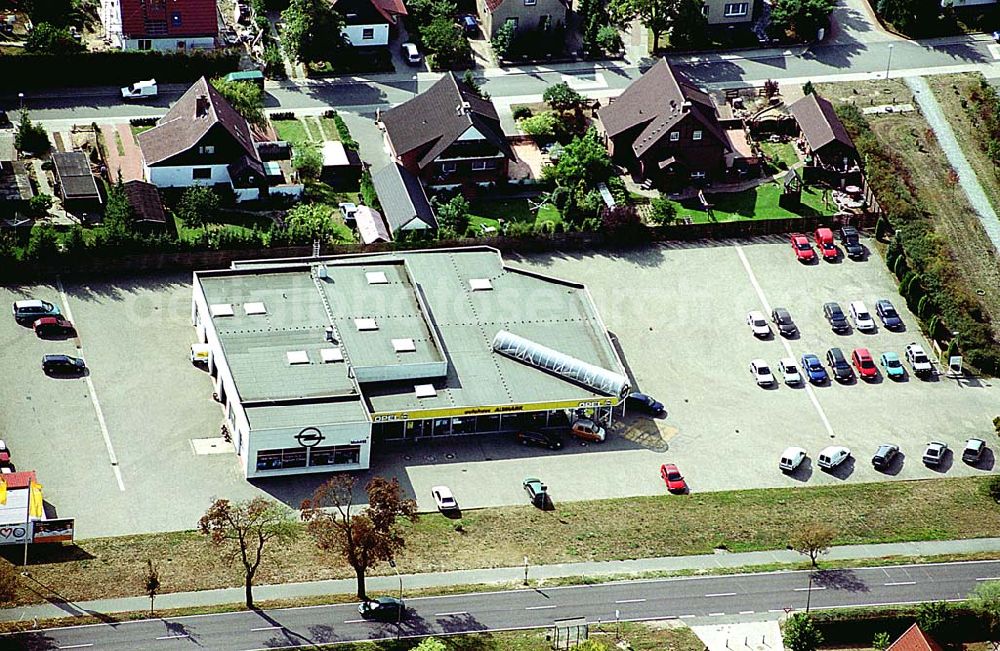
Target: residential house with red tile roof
(161, 24)
(526, 15)
(914, 639)
(664, 128)
(370, 22)
(448, 136)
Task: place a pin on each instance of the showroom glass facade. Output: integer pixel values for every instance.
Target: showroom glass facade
(302, 457)
(414, 429)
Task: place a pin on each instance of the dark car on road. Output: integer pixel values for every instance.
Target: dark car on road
(842, 371)
(645, 404)
(536, 490)
(63, 364)
(53, 326)
(887, 313)
(382, 608)
(783, 321)
(851, 242)
(884, 456)
(548, 440)
(835, 317)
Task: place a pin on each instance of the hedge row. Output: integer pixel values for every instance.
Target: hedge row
(27, 71)
(921, 260)
(858, 627)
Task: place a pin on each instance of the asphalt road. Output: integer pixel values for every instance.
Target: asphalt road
(711, 70)
(684, 598)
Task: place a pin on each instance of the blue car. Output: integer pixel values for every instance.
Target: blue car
(892, 366)
(813, 368)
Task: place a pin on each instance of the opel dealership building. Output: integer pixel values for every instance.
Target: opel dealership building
(316, 359)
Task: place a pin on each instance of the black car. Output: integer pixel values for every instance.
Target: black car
(548, 440)
(62, 364)
(887, 313)
(783, 321)
(644, 403)
(383, 608)
(884, 456)
(838, 364)
(835, 316)
(851, 242)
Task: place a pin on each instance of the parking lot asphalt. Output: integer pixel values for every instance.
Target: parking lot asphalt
(677, 313)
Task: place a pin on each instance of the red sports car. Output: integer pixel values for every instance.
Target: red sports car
(863, 362)
(672, 478)
(824, 242)
(803, 250)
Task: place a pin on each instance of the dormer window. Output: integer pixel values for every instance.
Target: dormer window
(696, 135)
(675, 136)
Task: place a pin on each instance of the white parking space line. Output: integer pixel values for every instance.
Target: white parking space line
(539, 607)
(93, 393)
(174, 637)
(989, 578)
(75, 646)
(722, 594)
(353, 621)
(457, 612)
(822, 587)
(784, 342)
(746, 612)
(901, 583)
(630, 601)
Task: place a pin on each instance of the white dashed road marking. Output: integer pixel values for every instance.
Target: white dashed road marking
(902, 583)
(784, 342)
(93, 395)
(722, 594)
(630, 601)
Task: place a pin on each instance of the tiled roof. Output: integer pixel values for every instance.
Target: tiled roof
(390, 9)
(402, 197)
(819, 122)
(914, 639)
(183, 126)
(659, 99)
(145, 18)
(145, 201)
(438, 116)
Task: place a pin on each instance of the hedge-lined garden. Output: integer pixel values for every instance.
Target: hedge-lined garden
(921, 260)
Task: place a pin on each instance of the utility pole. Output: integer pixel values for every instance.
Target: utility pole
(889, 62)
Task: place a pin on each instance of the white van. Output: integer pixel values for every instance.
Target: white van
(140, 89)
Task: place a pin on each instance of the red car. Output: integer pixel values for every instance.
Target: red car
(49, 326)
(863, 362)
(803, 250)
(673, 479)
(824, 242)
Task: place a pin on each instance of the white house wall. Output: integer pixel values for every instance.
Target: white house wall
(181, 176)
(356, 34)
(169, 44)
(334, 434)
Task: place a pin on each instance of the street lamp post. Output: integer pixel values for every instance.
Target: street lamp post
(888, 63)
(399, 610)
(809, 592)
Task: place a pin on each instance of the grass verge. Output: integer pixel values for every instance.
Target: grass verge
(616, 529)
(760, 202)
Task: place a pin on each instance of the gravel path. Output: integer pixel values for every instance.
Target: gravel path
(966, 176)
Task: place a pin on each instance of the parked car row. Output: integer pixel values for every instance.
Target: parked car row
(824, 241)
(47, 321)
(841, 368)
(860, 317)
(885, 455)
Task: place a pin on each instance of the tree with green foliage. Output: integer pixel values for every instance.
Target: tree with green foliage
(30, 137)
(307, 161)
(985, 600)
(55, 12)
(688, 24)
(469, 80)
(453, 216)
(812, 540)
(542, 125)
(662, 210)
(38, 205)
(803, 18)
(933, 616)
(245, 96)
(801, 634)
(43, 243)
(503, 40)
(562, 98)
(908, 14)
(881, 641)
(118, 214)
(447, 42)
(311, 220)
(655, 15)
(808, 88)
(46, 38)
(584, 159)
(431, 644)
(313, 31)
(608, 39)
(198, 205)
(243, 529)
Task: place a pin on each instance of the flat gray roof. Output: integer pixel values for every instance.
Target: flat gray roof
(315, 413)
(428, 296)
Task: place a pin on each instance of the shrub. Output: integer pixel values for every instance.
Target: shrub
(522, 112)
(801, 634)
(344, 133)
(541, 125)
(31, 137)
(38, 205)
(663, 210)
(933, 616)
(609, 39)
(43, 244)
(307, 161)
(198, 205)
(502, 40)
(368, 194)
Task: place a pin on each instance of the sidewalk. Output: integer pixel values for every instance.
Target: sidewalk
(509, 575)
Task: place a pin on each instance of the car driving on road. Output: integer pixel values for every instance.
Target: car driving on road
(386, 609)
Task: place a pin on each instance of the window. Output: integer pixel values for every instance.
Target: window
(530, 3)
(479, 165)
(175, 19)
(734, 9)
(145, 44)
(675, 136)
(201, 173)
(207, 149)
(368, 33)
(696, 135)
(449, 168)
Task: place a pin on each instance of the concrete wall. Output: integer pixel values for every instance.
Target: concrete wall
(165, 44)
(528, 15)
(717, 12)
(181, 176)
(356, 34)
(335, 433)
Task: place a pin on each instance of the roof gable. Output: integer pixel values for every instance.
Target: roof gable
(819, 123)
(189, 120)
(439, 116)
(165, 20)
(914, 639)
(659, 99)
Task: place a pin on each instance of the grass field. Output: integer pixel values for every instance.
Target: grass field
(781, 152)
(602, 530)
(757, 203)
(909, 136)
(489, 212)
(291, 130)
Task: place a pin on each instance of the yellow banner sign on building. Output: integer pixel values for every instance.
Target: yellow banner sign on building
(491, 410)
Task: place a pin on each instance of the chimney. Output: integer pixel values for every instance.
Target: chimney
(686, 106)
(201, 106)
(463, 108)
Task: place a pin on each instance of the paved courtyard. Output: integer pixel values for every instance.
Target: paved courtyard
(677, 312)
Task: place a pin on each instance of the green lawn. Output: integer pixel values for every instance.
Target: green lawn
(781, 152)
(291, 130)
(137, 130)
(488, 212)
(757, 203)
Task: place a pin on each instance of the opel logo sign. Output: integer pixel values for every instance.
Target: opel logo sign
(309, 437)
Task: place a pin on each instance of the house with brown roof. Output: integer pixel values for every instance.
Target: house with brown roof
(370, 22)
(148, 214)
(448, 136)
(665, 129)
(914, 639)
(526, 15)
(202, 140)
(160, 25)
(824, 135)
